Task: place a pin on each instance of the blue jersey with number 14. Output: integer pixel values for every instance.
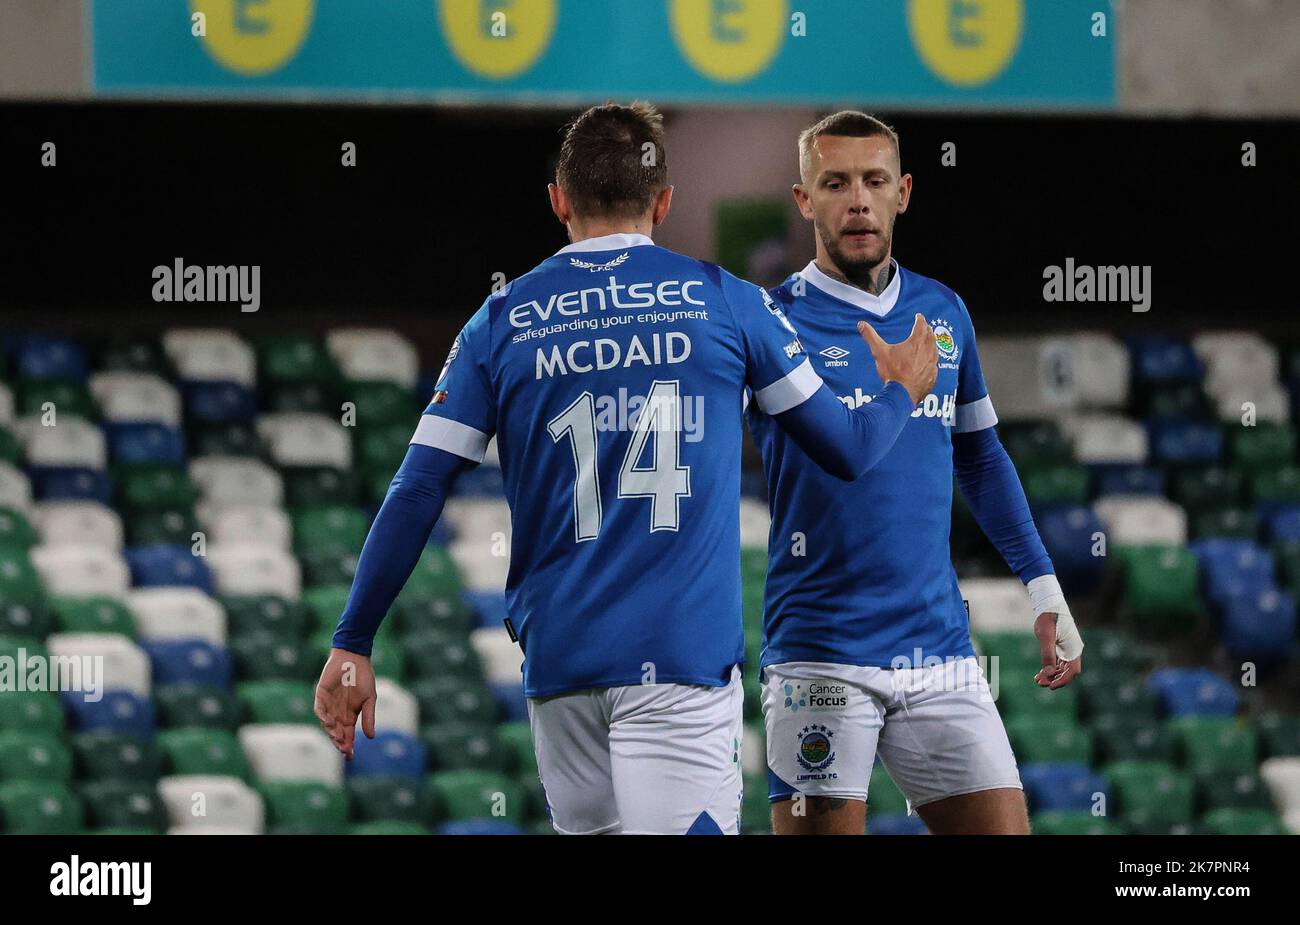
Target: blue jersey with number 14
(612, 377)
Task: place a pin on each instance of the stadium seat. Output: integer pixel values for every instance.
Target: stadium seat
(502, 659)
(124, 804)
(188, 661)
(1160, 588)
(1163, 359)
(465, 746)
(1151, 798)
(1106, 438)
(39, 808)
(1073, 823)
(392, 799)
(1240, 790)
(146, 443)
(263, 657)
(1265, 402)
(378, 403)
(210, 355)
(304, 807)
(277, 702)
(1276, 488)
(1193, 692)
(1215, 745)
(15, 488)
(432, 654)
(168, 566)
(1061, 787)
(134, 354)
(1225, 523)
(1239, 357)
(117, 711)
(35, 711)
(997, 604)
(1070, 535)
(308, 486)
(148, 488)
(206, 751)
(469, 794)
(1111, 479)
(374, 355)
(224, 481)
(76, 523)
(1242, 822)
(1175, 400)
(34, 756)
(224, 439)
(250, 524)
(291, 752)
(244, 570)
(306, 440)
(1259, 625)
(329, 527)
(1279, 734)
(212, 801)
(220, 402)
(125, 665)
(1282, 776)
(389, 754)
(265, 613)
(177, 613)
(1132, 738)
(188, 704)
(81, 571)
(134, 396)
(1133, 521)
(1037, 740)
(72, 443)
(1185, 443)
(110, 756)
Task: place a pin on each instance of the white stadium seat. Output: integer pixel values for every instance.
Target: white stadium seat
(210, 355)
(397, 707)
(177, 613)
(300, 439)
(81, 571)
(126, 666)
(1028, 377)
(71, 441)
(6, 406)
(1106, 438)
(1235, 358)
(243, 570)
(374, 355)
(199, 803)
(503, 660)
(225, 481)
(130, 396)
(477, 518)
(1100, 364)
(997, 604)
(1282, 776)
(480, 569)
(1133, 520)
(1271, 402)
(292, 752)
(78, 523)
(255, 524)
(15, 488)
(755, 524)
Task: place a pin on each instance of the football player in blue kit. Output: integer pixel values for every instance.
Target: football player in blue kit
(866, 642)
(624, 579)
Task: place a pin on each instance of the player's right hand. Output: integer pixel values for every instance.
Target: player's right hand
(914, 362)
(345, 690)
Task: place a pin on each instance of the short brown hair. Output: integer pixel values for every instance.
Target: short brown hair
(613, 161)
(848, 123)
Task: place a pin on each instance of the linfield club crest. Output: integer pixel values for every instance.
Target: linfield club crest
(943, 338)
(816, 752)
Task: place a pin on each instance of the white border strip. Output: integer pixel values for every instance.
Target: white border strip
(452, 436)
(975, 415)
(790, 391)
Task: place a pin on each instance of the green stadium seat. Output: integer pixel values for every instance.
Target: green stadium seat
(445, 613)
(1150, 797)
(34, 756)
(202, 751)
(304, 808)
(15, 530)
(105, 756)
(114, 804)
(535, 805)
(161, 527)
(1132, 738)
(302, 397)
(328, 566)
(152, 488)
(19, 580)
(294, 358)
(1020, 695)
(457, 746)
(1060, 483)
(392, 799)
(517, 740)
(434, 574)
(1226, 522)
(388, 828)
(11, 450)
(1057, 822)
(755, 810)
(264, 657)
(1243, 790)
(753, 565)
(1263, 446)
(1242, 822)
(470, 794)
(26, 618)
(1279, 734)
(32, 711)
(386, 656)
(329, 527)
(224, 438)
(1160, 589)
(313, 486)
(46, 807)
(1280, 485)
(1035, 738)
(201, 706)
(1174, 400)
(1017, 653)
(1215, 745)
(883, 795)
(70, 399)
(380, 403)
(325, 605)
(381, 448)
(453, 699)
(1200, 487)
(1114, 648)
(135, 354)
(277, 701)
(93, 615)
(1111, 691)
(437, 655)
(753, 691)
(1036, 443)
(266, 613)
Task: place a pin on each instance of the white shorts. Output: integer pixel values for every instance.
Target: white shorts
(936, 729)
(654, 759)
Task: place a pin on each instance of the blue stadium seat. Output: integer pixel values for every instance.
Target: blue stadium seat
(1231, 567)
(218, 401)
(117, 711)
(1065, 787)
(1109, 479)
(1174, 441)
(1259, 625)
(389, 754)
(136, 442)
(1163, 359)
(895, 824)
(188, 661)
(168, 566)
(1193, 692)
(512, 706)
(1067, 533)
(36, 356)
(478, 827)
(70, 483)
(1284, 524)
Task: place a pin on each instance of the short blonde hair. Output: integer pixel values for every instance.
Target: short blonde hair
(848, 123)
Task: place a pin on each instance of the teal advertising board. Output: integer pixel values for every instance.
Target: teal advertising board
(1018, 54)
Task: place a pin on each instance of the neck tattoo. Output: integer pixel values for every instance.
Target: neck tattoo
(864, 282)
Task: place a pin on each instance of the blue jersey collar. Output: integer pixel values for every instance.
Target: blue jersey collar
(878, 305)
(607, 242)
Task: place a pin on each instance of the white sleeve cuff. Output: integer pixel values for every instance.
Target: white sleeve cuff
(451, 436)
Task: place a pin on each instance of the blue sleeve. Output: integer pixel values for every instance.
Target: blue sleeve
(989, 483)
(847, 442)
(462, 414)
(395, 542)
(777, 370)
(974, 406)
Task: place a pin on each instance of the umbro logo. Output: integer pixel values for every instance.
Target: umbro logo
(835, 356)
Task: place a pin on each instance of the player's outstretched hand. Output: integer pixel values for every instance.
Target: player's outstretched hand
(345, 690)
(914, 362)
(1057, 671)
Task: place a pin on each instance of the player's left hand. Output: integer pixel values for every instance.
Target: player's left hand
(346, 690)
(1055, 642)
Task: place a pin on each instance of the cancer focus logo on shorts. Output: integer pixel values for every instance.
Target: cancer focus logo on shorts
(794, 698)
(815, 750)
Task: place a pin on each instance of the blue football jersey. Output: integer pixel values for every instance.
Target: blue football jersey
(859, 573)
(612, 376)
